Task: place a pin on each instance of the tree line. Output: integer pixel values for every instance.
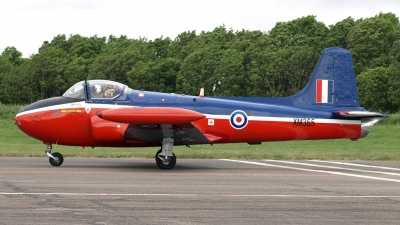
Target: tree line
(225, 62)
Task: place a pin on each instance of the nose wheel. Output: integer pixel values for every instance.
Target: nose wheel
(55, 159)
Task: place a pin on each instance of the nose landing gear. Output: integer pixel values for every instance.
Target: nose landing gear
(55, 159)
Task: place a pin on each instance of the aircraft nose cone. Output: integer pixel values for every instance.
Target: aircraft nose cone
(19, 120)
(28, 123)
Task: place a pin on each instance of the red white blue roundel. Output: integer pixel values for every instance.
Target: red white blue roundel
(238, 119)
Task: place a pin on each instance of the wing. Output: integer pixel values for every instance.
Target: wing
(152, 124)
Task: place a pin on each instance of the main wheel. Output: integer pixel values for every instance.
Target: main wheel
(165, 163)
(58, 161)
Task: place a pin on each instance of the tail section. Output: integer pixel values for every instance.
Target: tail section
(332, 83)
(332, 86)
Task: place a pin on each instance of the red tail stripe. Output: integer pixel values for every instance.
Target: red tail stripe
(319, 91)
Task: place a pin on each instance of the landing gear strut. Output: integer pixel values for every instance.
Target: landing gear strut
(165, 158)
(55, 159)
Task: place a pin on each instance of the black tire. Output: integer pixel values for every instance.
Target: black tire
(165, 165)
(59, 161)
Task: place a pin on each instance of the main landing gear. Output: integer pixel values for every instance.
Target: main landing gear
(165, 158)
(55, 159)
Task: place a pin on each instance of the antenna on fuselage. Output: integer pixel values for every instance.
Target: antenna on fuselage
(201, 93)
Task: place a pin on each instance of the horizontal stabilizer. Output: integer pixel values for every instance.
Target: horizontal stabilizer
(358, 114)
(151, 115)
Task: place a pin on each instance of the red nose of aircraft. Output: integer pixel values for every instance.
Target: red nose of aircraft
(30, 124)
(36, 120)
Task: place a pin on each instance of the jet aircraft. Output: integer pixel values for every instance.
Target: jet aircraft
(110, 114)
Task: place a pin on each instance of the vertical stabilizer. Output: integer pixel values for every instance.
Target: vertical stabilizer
(332, 83)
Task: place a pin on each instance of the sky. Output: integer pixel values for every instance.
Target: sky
(26, 24)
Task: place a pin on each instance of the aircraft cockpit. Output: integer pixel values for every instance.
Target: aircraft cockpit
(96, 89)
(104, 88)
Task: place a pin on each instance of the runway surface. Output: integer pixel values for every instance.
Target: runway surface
(135, 191)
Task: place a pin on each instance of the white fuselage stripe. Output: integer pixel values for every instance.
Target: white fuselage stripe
(285, 119)
(74, 105)
(82, 104)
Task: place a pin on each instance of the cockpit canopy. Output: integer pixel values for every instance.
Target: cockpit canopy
(98, 89)
(76, 91)
(104, 89)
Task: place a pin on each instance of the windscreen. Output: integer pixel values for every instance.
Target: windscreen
(76, 91)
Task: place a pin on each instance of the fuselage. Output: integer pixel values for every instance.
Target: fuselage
(75, 121)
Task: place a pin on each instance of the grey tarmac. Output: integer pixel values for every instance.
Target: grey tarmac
(196, 191)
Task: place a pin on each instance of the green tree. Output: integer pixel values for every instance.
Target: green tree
(370, 41)
(217, 61)
(305, 31)
(337, 35)
(82, 53)
(119, 57)
(180, 46)
(189, 43)
(200, 68)
(159, 75)
(18, 87)
(48, 71)
(281, 62)
(13, 83)
(83, 47)
(244, 39)
(77, 70)
(63, 62)
(160, 47)
(281, 72)
(59, 41)
(5, 65)
(378, 89)
(394, 88)
(230, 72)
(13, 55)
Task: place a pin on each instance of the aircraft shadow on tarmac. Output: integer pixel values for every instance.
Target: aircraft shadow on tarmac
(134, 164)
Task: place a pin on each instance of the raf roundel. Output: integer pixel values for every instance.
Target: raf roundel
(238, 119)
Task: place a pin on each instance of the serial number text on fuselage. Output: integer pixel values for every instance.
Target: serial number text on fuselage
(305, 122)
